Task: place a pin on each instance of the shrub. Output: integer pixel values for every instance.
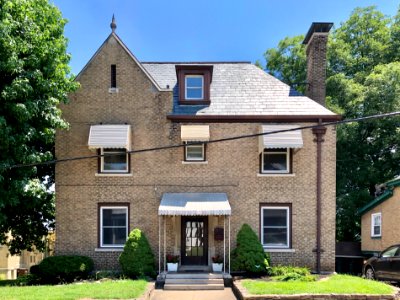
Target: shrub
(249, 254)
(137, 259)
(29, 279)
(63, 268)
(284, 270)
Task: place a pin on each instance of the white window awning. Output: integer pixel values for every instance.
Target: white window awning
(195, 133)
(194, 204)
(287, 139)
(110, 136)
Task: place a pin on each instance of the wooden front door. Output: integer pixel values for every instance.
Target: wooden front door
(194, 244)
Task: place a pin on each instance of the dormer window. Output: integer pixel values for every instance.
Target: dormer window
(194, 84)
(194, 87)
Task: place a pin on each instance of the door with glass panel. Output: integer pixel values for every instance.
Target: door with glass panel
(194, 241)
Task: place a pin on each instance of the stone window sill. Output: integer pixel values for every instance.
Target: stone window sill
(275, 175)
(113, 90)
(201, 162)
(279, 250)
(113, 174)
(109, 249)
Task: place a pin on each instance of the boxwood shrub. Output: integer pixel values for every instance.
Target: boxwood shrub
(63, 268)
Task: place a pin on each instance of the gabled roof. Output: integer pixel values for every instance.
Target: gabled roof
(378, 200)
(239, 89)
(116, 37)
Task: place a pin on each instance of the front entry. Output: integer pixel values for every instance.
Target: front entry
(194, 244)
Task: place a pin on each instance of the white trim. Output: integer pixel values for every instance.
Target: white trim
(113, 90)
(373, 225)
(202, 86)
(268, 151)
(108, 150)
(276, 175)
(201, 159)
(271, 246)
(101, 225)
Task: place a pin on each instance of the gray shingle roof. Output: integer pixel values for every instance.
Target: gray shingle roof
(239, 89)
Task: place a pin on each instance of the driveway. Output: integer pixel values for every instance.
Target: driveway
(225, 294)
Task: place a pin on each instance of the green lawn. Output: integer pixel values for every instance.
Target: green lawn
(336, 284)
(118, 289)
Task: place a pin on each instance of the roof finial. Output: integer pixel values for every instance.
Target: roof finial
(113, 25)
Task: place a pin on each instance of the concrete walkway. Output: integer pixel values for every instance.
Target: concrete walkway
(225, 294)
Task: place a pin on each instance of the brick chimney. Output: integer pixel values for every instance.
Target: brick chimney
(316, 41)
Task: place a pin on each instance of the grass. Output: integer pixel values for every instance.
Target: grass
(113, 289)
(335, 284)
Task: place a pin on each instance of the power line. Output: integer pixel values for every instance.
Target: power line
(392, 114)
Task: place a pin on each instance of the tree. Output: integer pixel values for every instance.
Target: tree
(363, 79)
(34, 79)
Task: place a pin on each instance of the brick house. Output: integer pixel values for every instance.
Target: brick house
(192, 200)
(378, 217)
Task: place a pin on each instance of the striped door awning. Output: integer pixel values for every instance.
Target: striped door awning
(286, 139)
(110, 136)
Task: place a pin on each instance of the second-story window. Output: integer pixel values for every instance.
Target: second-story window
(113, 76)
(275, 161)
(194, 87)
(114, 161)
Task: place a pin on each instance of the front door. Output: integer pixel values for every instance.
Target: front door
(194, 242)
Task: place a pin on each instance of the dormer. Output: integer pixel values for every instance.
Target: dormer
(194, 84)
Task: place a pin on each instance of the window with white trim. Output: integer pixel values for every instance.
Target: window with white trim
(195, 152)
(275, 161)
(113, 226)
(376, 225)
(194, 87)
(275, 226)
(114, 161)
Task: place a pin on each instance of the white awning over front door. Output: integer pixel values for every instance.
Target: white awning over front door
(194, 204)
(286, 139)
(110, 136)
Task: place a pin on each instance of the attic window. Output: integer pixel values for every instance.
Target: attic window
(194, 84)
(113, 83)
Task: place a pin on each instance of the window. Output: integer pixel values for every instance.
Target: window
(275, 161)
(113, 76)
(194, 83)
(376, 225)
(275, 226)
(113, 226)
(194, 87)
(195, 152)
(114, 161)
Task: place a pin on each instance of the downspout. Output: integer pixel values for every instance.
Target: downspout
(319, 133)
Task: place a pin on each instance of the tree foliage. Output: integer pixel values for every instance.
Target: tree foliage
(34, 79)
(362, 79)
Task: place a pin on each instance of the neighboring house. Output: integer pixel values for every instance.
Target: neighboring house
(192, 200)
(10, 264)
(379, 220)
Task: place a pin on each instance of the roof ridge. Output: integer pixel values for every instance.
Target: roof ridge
(195, 62)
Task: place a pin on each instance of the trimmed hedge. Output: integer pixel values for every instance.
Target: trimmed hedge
(63, 268)
(137, 259)
(249, 254)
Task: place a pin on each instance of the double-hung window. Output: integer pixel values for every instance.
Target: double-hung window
(275, 161)
(376, 225)
(194, 87)
(114, 161)
(195, 152)
(113, 226)
(275, 226)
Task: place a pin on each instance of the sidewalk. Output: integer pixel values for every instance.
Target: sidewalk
(225, 294)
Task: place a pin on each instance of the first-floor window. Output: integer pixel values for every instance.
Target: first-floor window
(113, 226)
(114, 161)
(195, 152)
(376, 225)
(275, 161)
(275, 226)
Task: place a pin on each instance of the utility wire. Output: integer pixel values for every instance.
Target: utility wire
(392, 114)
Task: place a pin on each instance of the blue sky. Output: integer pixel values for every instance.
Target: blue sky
(202, 30)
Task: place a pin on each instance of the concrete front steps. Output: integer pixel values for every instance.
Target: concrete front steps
(194, 281)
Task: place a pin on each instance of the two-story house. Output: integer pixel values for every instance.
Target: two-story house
(193, 187)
